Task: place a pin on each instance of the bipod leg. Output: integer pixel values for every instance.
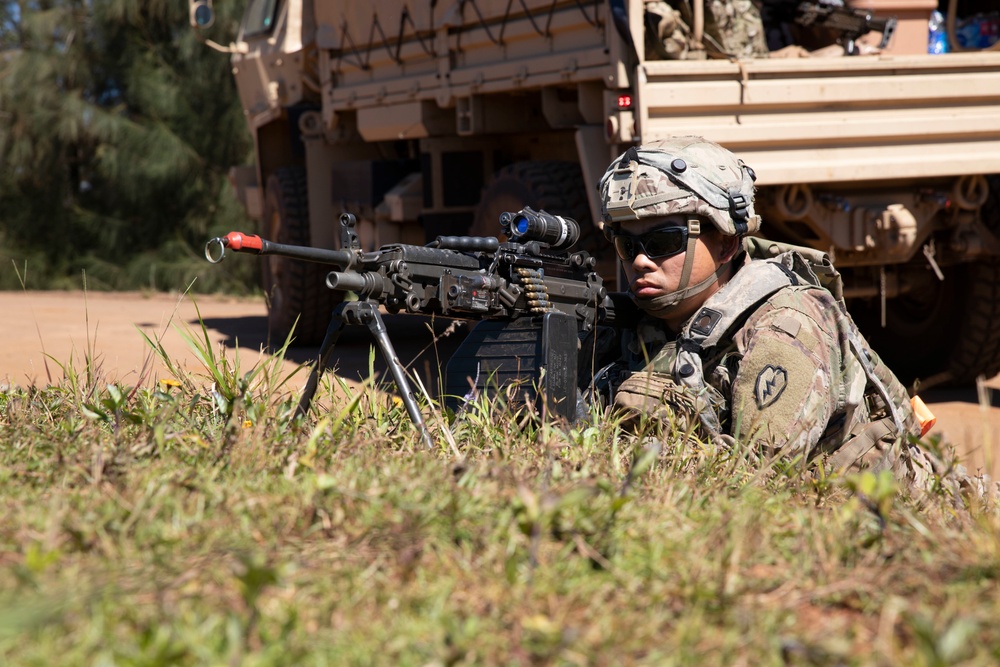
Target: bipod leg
(337, 322)
(368, 313)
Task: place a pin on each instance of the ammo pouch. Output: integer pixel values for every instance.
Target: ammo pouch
(873, 446)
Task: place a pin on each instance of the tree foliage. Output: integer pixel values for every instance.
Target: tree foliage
(117, 129)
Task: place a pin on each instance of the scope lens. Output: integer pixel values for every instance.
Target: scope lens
(521, 225)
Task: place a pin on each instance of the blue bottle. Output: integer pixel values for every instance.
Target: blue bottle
(937, 36)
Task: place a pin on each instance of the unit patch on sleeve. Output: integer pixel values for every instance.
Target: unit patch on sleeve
(771, 381)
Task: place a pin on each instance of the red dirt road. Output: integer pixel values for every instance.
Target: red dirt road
(41, 330)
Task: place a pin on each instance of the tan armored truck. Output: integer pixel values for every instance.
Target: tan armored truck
(427, 118)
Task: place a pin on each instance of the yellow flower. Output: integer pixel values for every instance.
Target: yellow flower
(167, 383)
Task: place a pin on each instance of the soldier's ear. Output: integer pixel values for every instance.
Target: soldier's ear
(729, 246)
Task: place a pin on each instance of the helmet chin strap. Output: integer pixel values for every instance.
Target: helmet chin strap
(658, 306)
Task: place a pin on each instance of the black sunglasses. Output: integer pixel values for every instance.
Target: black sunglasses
(657, 244)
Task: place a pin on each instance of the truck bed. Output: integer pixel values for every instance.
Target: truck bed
(812, 120)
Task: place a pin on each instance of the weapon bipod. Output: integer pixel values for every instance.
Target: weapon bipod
(364, 312)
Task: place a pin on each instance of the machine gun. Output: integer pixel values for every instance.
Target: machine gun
(849, 23)
(533, 297)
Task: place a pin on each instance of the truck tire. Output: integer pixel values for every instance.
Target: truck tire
(916, 342)
(294, 289)
(947, 332)
(977, 351)
(555, 186)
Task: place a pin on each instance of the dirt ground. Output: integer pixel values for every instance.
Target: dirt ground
(42, 331)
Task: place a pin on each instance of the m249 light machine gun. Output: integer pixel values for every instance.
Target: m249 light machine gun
(533, 295)
(849, 23)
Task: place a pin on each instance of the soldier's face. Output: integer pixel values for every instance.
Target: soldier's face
(652, 277)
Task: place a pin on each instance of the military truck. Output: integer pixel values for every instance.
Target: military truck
(424, 117)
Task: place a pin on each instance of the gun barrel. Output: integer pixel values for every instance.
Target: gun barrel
(215, 250)
(368, 284)
(342, 258)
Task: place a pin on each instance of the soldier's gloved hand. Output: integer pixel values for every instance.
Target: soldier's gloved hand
(654, 396)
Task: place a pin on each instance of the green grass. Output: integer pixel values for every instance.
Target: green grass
(196, 522)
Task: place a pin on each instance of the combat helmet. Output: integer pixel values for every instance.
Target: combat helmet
(680, 175)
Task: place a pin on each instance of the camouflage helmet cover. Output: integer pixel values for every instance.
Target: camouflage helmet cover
(681, 175)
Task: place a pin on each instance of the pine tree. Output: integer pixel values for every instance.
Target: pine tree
(118, 128)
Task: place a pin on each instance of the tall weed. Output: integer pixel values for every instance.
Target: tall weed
(199, 521)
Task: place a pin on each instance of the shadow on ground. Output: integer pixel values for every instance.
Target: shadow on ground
(423, 344)
(414, 339)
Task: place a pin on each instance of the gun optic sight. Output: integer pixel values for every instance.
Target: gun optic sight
(526, 225)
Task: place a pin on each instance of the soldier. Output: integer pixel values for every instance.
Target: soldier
(732, 28)
(739, 334)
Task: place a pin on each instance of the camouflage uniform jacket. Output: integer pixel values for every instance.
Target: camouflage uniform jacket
(784, 376)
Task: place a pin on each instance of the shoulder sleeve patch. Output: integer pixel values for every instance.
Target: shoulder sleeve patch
(771, 381)
(782, 392)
